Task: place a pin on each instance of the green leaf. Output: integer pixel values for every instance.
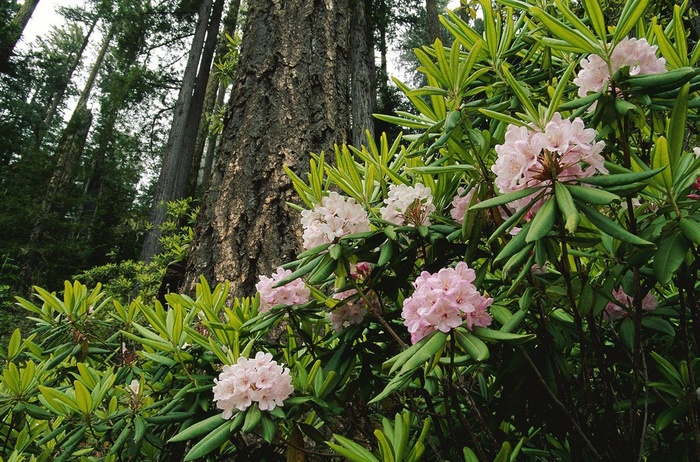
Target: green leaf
(252, 419)
(660, 160)
(676, 128)
(559, 90)
(669, 257)
(566, 33)
(543, 221)
(592, 195)
(659, 325)
(471, 344)
(504, 199)
(267, 428)
(520, 93)
(209, 443)
(632, 11)
(351, 450)
(14, 347)
(668, 416)
(199, 429)
(82, 397)
(567, 207)
(619, 179)
(690, 229)
(595, 14)
(399, 360)
(501, 336)
(609, 227)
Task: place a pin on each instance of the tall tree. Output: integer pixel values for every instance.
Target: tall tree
(214, 97)
(14, 32)
(173, 180)
(290, 96)
(432, 12)
(362, 71)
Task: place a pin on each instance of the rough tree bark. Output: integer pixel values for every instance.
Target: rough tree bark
(173, 180)
(290, 96)
(363, 88)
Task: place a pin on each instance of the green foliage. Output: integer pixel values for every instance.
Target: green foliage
(569, 367)
(125, 280)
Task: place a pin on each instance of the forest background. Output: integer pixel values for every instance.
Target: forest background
(96, 137)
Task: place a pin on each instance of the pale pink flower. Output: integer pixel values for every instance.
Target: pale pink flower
(259, 380)
(564, 150)
(292, 293)
(636, 54)
(408, 205)
(336, 216)
(625, 303)
(352, 311)
(445, 300)
(460, 203)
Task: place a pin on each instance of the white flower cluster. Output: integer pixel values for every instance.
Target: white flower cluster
(637, 54)
(292, 293)
(408, 205)
(335, 217)
(259, 380)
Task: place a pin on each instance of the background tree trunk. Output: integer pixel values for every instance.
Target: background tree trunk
(173, 180)
(431, 9)
(19, 22)
(213, 98)
(290, 96)
(363, 88)
(59, 94)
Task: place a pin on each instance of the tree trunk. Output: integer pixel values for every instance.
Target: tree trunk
(174, 176)
(290, 96)
(212, 99)
(70, 147)
(19, 22)
(59, 94)
(431, 9)
(363, 89)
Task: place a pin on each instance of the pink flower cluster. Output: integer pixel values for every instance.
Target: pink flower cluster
(443, 301)
(353, 311)
(460, 204)
(638, 54)
(336, 216)
(292, 293)
(625, 303)
(565, 150)
(259, 380)
(408, 205)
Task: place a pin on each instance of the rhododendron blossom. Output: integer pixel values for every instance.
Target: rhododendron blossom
(336, 216)
(292, 293)
(259, 380)
(637, 54)
(408, 205)
(565, 150)
(445, 300)
(353, 311)
(460, 203)
(625, 303)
